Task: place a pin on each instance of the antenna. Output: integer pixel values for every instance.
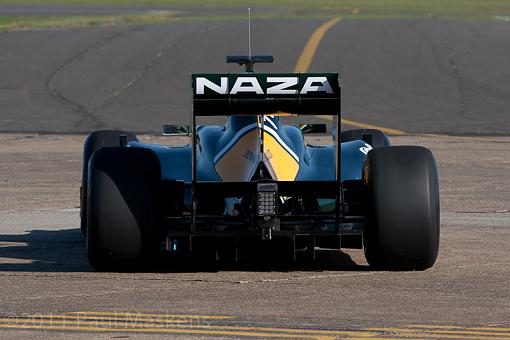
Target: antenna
(249, 60)
(249, 32)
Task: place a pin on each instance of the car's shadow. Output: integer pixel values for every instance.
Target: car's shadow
(44, 251)
(64, 251)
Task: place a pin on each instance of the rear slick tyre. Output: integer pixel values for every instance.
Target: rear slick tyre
(378, 138)
(122, 213)
(95, 141)
(403, 230)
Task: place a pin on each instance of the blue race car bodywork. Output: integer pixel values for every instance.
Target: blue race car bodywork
(255, 181)
(316, 162)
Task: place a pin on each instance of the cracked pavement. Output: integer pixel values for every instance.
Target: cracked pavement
(43, 268)
(425, 76)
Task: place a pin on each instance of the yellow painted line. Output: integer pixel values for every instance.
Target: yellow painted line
(440, 336)
(386, 130)
(169, 331)
(76, 322)
(461, 327)
(219, 317)
(379, 337)
(360, 333)
(413, 333)
(308, 53)
(59, 322)
(303, 64)
(349, 122)
(111, 322)
(239, 333)
(258, 333)
(129, 319)
(176, 323)
(457, 331)
(484, 333)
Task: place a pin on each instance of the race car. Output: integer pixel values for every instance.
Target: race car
(255, 186)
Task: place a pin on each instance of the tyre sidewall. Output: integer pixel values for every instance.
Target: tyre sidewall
(404, 223)
(95, 141)
(122, 201)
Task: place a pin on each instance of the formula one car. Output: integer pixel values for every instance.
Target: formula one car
(254, 184)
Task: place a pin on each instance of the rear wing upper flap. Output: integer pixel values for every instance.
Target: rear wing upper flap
(265, 93)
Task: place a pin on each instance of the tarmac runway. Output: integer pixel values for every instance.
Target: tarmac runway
(425, 76)
(416, 76)
(49, 290)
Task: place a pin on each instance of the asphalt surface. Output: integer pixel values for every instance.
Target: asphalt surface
(49, 290)
(427, 76)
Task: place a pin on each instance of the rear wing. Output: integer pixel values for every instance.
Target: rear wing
(266, 93)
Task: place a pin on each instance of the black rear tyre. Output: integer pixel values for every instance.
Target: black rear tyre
(122, 208)
(378, 138)
(403, 231)
(95, 141)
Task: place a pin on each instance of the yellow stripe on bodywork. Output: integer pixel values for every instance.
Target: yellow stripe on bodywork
(281, 165)
(239, 163)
